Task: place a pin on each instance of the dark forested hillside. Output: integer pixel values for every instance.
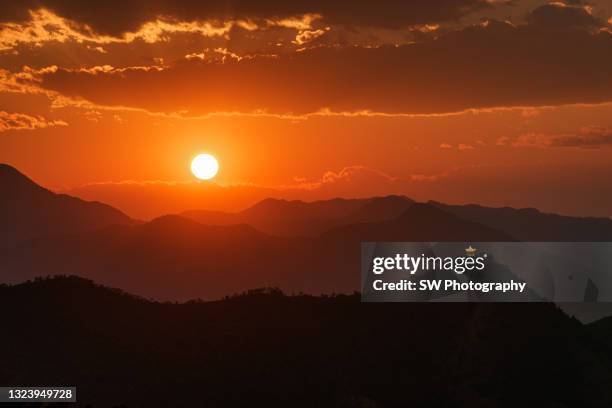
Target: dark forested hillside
(266, 349)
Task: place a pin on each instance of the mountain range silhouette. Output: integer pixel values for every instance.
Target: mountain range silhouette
(296, 246)
(28, 211)
(298, 218)
(246, 346)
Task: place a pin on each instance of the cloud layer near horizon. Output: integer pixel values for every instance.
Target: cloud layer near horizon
(471, 184)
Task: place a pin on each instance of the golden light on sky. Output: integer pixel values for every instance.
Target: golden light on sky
(272, 89)
(204, 166)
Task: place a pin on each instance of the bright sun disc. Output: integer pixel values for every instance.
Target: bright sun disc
(204, 166)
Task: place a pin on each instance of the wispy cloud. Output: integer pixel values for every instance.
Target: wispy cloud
(586, 138)
(21, 121)
(302, 83)
(46, 26)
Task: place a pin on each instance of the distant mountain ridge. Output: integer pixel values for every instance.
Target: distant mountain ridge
(168, 258)
(529, 224)
(28, 211)
(419, 222)
(174, 258)
(308, 219)
(310, 247)
(298, 218)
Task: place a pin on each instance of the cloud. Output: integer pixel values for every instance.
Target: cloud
(359, 180)
(460, 146)
(465, 146)
(489, 65)
(21, 121)
(277, 28)
(114, 18)
(45, 26)
(587, 138)
(306, 36)
(21, 83)
(561, 15)
(350, 175)
(529, 184)
(148, 199)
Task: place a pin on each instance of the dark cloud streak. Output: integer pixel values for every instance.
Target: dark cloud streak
(491, 65)
(115, 17)
(564, 16)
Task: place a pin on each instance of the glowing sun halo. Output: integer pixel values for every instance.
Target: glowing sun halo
(204, 166)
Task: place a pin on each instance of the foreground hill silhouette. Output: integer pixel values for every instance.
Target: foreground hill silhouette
(28, 210)
(266, 349)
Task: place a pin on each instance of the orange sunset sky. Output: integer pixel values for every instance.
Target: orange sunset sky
(487, 101)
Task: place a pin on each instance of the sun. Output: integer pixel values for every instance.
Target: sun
(204, 166)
